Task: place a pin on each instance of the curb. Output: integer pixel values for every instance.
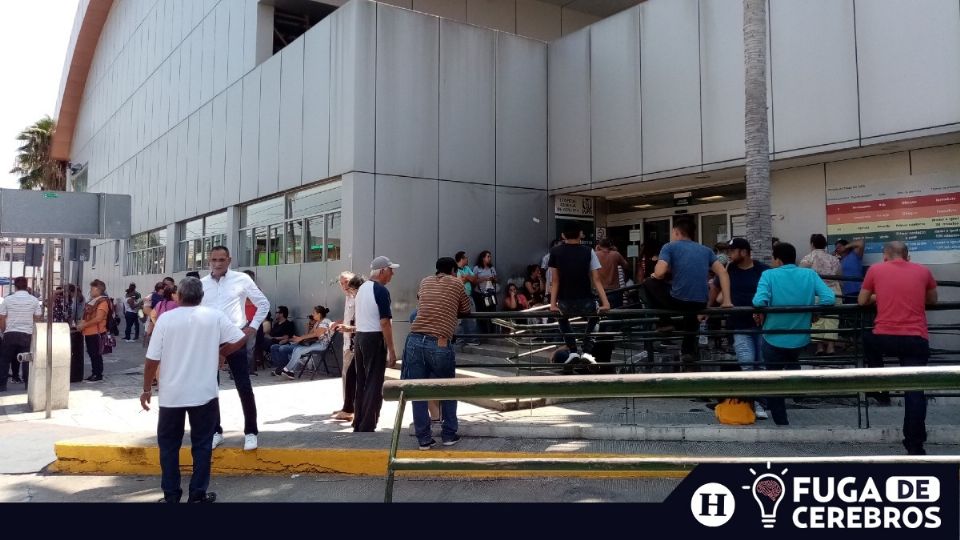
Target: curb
(77, 457)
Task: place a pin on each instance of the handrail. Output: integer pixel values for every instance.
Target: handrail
(754, 383)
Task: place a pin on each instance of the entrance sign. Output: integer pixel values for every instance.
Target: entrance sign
(573, 205)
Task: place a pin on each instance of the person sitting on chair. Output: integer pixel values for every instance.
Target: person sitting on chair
(289, 358)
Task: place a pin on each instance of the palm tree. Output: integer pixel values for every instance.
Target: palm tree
(756, 137)
(33, 163)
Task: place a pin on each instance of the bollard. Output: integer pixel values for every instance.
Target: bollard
(37, 382)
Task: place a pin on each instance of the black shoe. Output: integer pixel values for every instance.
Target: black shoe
(94, 378)
(428, 445)
(171, 497)
(453, 441)
(916, 451)
(16, 379)
(207, 497)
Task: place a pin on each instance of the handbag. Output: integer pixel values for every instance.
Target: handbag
(735, 412)
(490, 298)
(107, 343)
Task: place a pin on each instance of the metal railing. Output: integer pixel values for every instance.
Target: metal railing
(755, 383)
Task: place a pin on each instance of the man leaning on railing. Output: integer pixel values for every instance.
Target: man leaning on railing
(902, 290)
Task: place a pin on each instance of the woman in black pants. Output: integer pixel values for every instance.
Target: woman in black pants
(94, 324)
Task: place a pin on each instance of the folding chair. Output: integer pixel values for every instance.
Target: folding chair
(313, 360)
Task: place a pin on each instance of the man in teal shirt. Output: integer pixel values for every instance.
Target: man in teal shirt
(469, 279)
(786, 284)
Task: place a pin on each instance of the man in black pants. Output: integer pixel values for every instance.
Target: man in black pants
(227, 291)
(18, 312)
(690, 264)
(576, 269)
(373, 345)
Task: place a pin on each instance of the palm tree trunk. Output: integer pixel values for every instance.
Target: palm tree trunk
(756, 135)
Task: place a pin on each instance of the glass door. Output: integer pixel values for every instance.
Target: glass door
(714, 228)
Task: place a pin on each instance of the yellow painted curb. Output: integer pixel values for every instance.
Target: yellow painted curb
(76, 457)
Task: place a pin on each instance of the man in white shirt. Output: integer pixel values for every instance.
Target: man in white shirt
(374, 351)
(227, 291)
(188, 341)
(18, 312)
(347, 328)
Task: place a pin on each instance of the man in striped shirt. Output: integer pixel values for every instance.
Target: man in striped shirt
(428, 353)
(18, 312)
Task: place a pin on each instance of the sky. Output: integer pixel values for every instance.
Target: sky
(34, 35)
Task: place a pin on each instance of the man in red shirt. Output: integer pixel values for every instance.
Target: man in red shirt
(901, 290)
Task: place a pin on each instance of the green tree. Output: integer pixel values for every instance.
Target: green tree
(756, 135)
(33, 163)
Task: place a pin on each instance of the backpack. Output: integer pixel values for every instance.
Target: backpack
(113, 321)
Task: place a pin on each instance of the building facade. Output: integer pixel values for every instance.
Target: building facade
(311, 136)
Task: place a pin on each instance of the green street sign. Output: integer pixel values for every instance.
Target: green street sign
(50, 195)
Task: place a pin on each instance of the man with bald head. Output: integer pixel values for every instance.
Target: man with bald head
(902, 290)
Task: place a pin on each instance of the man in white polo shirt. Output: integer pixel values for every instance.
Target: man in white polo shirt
(188, 341)
(373, 344)
(228, 291)
(18, 312)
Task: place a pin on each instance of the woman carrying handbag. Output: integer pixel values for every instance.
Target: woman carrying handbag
(96, 313)
(485, 293)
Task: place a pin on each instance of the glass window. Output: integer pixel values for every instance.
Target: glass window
(147, 253)
(313, 201)
(275, 247)
(333, 236)
(263, 213)
(314, 239)
(294, 236)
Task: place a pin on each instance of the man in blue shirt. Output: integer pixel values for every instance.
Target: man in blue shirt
(690, 264)
(851, 265)
(786, 284)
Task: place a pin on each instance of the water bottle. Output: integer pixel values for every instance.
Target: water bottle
(704, 340)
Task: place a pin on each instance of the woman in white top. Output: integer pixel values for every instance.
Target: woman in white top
(485, 293)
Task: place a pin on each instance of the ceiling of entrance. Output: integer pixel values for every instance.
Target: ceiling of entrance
(600, 8)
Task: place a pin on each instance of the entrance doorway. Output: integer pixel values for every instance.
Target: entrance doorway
(714, 228)
(656, 231)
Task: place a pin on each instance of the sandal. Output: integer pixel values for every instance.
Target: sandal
(343, 416)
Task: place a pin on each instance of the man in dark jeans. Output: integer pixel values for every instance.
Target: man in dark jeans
(228, 291)
(575, 269)
(786, 284)
(690, 264)
(18, 312)
(902, 290)
(188, 341)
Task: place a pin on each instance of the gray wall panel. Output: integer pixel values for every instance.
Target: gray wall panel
(291, 115)
(670, 87)
(193, 164)
(174, 89)
(235, 56)
(316, 103)
(267, 281)
(208, 63)
(269, 125)
(467, 111)
(615, 96)
(234, 145)
(196, 68)
(169, 179)
(406, 208)
(218, 150)
(465, 223)
(287, 291)
(521, 230)
(909, 64)
(221, 70)
(181, 193)
(250, 132)
(521, 112)
(358, 223)
(721, 77)
(205, 155)
(183, 104)
(569, 109)
(314, 290)
(407, 93)
(814, 73)
(352, 89)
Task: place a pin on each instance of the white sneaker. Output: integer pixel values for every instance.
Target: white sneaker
(574, 358)
(589, 358)
(249, 442)
(760, 412)
(217, 439)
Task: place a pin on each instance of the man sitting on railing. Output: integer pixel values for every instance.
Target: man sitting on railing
(901, 290)
(575, 268)
(690, 263)
(786, 284)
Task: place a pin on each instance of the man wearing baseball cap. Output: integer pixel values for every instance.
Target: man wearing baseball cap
(373, 343)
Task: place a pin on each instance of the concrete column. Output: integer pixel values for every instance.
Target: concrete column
(173, 248)
(233, 236)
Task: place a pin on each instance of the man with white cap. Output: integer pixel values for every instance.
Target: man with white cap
(373, 343)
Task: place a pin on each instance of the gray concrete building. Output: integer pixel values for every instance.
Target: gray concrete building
(311, 136)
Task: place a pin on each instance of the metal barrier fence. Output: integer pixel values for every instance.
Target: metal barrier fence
(637, 345)
(755, 383)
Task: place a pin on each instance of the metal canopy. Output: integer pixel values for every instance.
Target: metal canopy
(58, 214)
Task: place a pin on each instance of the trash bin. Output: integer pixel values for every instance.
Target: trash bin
(76, 356)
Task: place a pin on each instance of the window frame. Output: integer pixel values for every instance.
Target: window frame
(204, 241)
(154, 251)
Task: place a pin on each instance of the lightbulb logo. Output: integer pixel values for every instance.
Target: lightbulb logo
(768, 491)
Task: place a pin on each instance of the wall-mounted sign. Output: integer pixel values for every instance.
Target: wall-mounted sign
(601, 233)
(635, 235)
(573, 205)
(682, 201)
